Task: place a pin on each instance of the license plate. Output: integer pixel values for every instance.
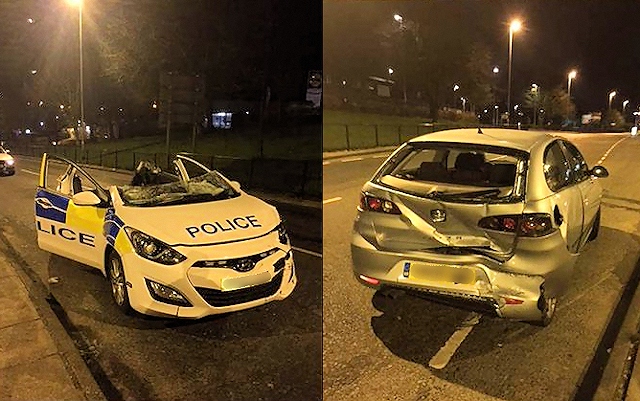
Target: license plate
(438, 273)
(235, 283)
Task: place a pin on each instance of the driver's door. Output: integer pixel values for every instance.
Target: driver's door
(188, 168)
(66, 223)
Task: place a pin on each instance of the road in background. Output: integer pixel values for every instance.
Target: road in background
(272, 352)
(381, 347)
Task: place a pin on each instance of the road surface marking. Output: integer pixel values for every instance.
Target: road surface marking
(308, 252)
(353, 159)
(606, 154)
(336, 199)
(380, 157)
(442, 358)
(584, 292)
(325, 163)
(29, 171)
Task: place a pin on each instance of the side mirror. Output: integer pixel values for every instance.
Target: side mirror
(86, 198)
(235, 185)
(599, 171)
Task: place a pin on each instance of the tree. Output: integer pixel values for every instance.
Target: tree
(557, 106)
(532, 99)
(478, 75)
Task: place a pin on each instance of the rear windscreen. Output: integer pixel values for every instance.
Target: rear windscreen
(454, 170)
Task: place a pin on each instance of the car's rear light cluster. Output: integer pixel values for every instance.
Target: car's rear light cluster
(373, 204)
(525, 225)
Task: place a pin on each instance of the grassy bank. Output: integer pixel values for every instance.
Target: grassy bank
(346, 130)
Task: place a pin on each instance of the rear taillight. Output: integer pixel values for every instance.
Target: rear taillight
(525, 225)
(373, 204)
(369, 280)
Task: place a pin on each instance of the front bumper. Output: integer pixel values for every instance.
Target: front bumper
(204, 287)
(7, 169)
(496, 287)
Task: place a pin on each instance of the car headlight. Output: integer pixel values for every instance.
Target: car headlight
(152, 248)
(9, 162)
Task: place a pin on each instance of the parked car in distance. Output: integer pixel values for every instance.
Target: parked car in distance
(7, 162)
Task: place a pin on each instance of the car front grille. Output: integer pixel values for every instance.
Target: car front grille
(243, 264)
(219, 298)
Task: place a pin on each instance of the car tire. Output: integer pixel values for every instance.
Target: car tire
(548, 306)
(118, 283)
(595, 228)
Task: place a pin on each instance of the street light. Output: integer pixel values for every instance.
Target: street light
(390, 71)
(513, 27)
(535, 90)
(570, 76)
(612, 94)
(496, 69)
(624, 105)
(403, 69)
(464, 104)
(78, 3)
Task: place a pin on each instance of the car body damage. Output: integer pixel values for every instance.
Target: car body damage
(187, 245)
(482, 217)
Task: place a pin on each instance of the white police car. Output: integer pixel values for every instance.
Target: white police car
(186, 245)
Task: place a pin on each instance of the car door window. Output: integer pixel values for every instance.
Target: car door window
(578, 164)
(557, 170)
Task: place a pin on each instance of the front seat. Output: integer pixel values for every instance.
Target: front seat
(77, 184)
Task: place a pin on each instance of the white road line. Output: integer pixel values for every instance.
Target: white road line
(380, 157)
(353, 159)
(585, 291)
(336, 199)
(29, 171)
(443, 356)
(606, 154)
(325, 163)
(308, 252)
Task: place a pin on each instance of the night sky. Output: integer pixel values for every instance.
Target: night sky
(241, 47)
(601, 39)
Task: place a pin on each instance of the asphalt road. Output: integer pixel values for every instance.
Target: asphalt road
(272, 352)
(378, 347)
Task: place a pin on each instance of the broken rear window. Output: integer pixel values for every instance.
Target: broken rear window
(453, 171)
(205, 188)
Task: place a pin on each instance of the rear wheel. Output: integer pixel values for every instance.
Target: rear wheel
(115, 274)
(595, 228)
(547, 306)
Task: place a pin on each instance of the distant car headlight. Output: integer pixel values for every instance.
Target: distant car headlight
(152, 248)
(9, 162)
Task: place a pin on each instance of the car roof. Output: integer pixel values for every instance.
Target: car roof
(509, 138)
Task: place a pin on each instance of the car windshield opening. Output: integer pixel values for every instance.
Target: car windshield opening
(205, 188)
(454, 171)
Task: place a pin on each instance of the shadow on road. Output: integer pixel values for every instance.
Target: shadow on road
(516, 360)
(271, 352)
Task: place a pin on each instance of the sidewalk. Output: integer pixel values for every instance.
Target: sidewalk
(38, 360)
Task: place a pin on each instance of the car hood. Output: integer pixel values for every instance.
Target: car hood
(222, 221)
(5, 156)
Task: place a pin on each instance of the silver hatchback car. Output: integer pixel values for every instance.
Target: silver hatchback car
(490, 219)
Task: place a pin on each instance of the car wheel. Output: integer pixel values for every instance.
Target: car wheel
(548, 307)
(115, 274)
(595, 228)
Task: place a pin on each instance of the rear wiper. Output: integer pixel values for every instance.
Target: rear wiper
(473, 194)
